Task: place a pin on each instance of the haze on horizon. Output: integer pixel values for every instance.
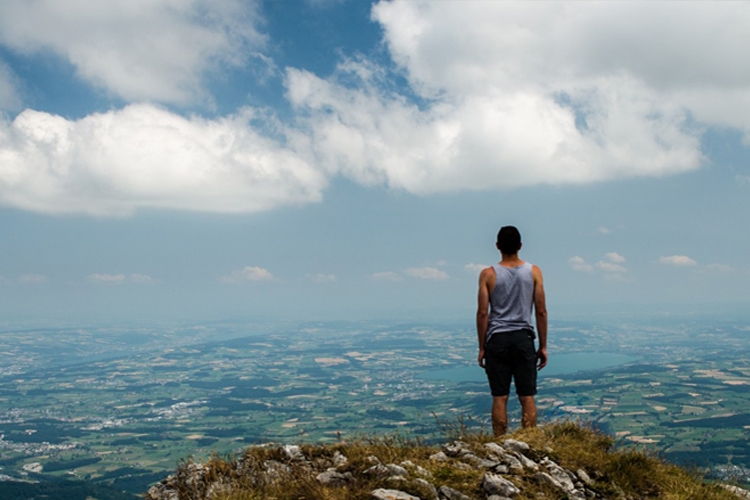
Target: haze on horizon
(330, 159)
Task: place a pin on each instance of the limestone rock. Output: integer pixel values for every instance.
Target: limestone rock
(517, 446)
(339, 459)
(493, 484)
(439, 457)
(384, 494)
(333, 478)
(446, 493)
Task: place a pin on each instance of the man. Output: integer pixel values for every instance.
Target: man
(508, 292)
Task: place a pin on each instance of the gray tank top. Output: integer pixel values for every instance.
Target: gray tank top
(512, 300)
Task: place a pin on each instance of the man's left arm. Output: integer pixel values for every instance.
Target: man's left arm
(540, 311)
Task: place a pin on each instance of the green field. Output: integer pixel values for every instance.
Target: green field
(126, 418)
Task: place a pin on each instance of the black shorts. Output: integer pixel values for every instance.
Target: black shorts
(511, 354)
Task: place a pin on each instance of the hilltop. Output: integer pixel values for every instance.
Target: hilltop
(558, 461)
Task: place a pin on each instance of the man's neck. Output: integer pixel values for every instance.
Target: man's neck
(511, 260)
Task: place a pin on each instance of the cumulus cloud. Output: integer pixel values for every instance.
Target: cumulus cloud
(9, 94)
(322, 278)
(677, 260)
(247, 274)
(111, 164)
(426, 273)
(117, 279)
(614, 257)
(538, 93)
(386, 276)
(106, 278)
(611, 266)
(475, 268)
(579, 264)
(156, 50)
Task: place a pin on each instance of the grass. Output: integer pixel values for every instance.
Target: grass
(626, 474)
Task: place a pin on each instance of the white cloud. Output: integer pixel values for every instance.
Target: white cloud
(610, 267)
(106, 278)
(426, 273)
(536, 93)
(579, 264)
(111, 164)
(246, 274)
(119, 278)
(614, 257)
(141, 278)
(9, 95)
(32, 279)
(386, 276)
(155, 50)
(677, 260)
(604, 230)
(322, 278)
(475, 268)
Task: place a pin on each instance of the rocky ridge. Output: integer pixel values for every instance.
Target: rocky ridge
(509, 469)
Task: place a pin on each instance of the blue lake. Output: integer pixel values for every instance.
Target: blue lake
(559, 364)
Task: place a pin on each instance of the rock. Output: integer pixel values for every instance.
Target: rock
(397, 470)
(559, 474)
(526, 461)
(372, 459)
(334, 478)
(446, 493)
(497, 497)
(377, 470)
(493, 484)
(517, 446)
(274, 468)
(512, 462)
(161, 491)
(293, 452)
(495, 448)
(584, 477)
(500, 469)
(339, 459)
(383, 494)
(476, 461)
(455, 449)
(740, 492)
(544, 478)
(439, 457)
(428, 486)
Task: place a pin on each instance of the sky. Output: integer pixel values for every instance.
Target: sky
(337, 159)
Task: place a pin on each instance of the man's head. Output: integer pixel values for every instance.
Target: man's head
(508, 240)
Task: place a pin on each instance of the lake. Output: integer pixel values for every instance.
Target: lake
(559, 364)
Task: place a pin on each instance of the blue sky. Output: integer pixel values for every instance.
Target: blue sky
(346, 159)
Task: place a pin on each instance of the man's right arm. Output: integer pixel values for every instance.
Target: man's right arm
(540, 311)
(483, 304)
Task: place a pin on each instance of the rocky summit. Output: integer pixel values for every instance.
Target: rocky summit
(563, 461)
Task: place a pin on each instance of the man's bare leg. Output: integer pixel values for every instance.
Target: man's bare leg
(528, 411)
(499, 415)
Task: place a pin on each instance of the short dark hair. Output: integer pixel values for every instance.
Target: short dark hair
(509, 240)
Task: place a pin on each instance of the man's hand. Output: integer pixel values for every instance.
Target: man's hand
(541, 356)
(480, 358)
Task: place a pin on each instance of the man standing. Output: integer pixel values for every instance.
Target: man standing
(508, 292)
